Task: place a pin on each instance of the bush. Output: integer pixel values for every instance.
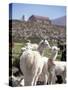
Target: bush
(35, 39)
(16, 62)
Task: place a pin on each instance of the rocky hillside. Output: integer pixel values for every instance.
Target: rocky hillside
(31, 30)
(61, 21)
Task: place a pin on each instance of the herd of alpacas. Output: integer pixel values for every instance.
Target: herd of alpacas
(36, 67)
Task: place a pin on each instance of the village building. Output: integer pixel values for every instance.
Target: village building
(40, 19)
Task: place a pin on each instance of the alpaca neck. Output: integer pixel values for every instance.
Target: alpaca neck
(40, 50)
(54, 56)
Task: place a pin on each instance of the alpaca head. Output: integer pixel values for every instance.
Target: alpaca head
(54, 52)
(54, 49)
(45, 44)
(42, 45)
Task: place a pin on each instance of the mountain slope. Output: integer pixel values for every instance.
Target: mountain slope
(61, 21)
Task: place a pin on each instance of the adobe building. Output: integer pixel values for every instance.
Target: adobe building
(40, 19)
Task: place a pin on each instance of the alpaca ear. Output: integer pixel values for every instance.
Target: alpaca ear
(41, 41)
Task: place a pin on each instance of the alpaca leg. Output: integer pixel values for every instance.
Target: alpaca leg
(45, 79)
(49, 78)
(29, 82)
(29, 79)
(34, 77)
(64, 78)
(53, 78)
(34, 80)
(37, 76)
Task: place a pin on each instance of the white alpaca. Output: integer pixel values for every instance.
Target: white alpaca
(42, 46)
(59, 68)
(33, 46)
(31, 64)
(48, 65)
(28, 46)
(53, 67)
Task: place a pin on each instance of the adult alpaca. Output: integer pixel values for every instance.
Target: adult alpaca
(60, 69)
(31, 64)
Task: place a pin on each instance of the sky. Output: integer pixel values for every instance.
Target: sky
(19, 9)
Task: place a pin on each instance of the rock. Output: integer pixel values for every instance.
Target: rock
(15, 81)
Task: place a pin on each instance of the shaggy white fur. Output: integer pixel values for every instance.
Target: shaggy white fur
(31, 64)
(53, 67)
(36, 67)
